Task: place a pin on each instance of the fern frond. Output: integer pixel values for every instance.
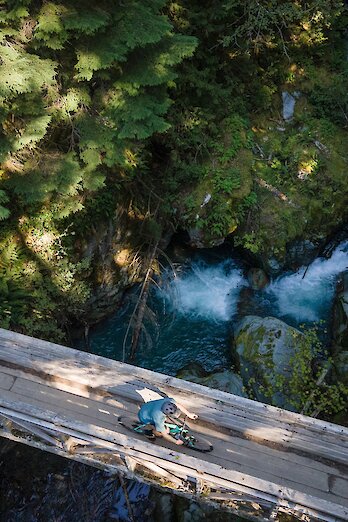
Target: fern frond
(21, 72)
(153, 64)
(86, 21)
(50, 28)
(34, 131)
(4, 212)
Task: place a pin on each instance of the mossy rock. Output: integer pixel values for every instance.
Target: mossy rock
(266, 348)
(340, 315)
(260, 338)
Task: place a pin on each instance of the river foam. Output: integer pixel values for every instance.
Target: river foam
(208, 291)
(307, 294)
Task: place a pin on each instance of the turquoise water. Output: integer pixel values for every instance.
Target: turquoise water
(190, 318)
(192, 310)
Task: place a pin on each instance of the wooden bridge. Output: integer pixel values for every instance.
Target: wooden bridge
(265, 460)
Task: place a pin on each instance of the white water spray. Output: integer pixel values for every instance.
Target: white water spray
(212, 291)
(309, 298)
(207, 291)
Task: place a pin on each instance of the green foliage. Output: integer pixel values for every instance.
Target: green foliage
(247, 204)
(139, 116)
(82, 89)
(269, 24)
(13, 303)
(330, 101)
(50, 28)
(251, 241)
(305, 388)
(235, 137)
(14, 299)
(148, 104)
(227, 180)
(21, 72)
(4, 212)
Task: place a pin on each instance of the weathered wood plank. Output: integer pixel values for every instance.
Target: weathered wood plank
(259, 451)
(237, 422)
(259, 432)
(280, 455)
(275, 435)
(339, 486)
(81, 416)
(6, 381)
(74, 388)
(113, 379)
(67, 401)
(144, 449)
(273, 465)
(257, 463)
(90, 360)
(255, 429)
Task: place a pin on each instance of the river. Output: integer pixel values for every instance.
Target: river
(194, 307)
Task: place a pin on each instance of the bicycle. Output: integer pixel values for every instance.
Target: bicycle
(176, 430)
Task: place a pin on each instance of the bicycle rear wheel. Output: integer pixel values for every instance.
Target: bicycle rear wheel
(134, 425)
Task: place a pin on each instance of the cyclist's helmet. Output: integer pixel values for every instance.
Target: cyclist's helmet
(169, 408)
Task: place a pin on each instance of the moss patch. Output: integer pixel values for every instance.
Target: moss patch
(303, 168)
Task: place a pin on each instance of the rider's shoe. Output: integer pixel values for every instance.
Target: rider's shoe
(148, 432)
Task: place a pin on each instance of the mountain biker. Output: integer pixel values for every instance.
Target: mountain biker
(154, 414)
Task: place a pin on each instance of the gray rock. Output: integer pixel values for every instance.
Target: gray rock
(199, 240)
(196, 236)
(300, 253)
(273, 266)
(289, 102)
(225, 380)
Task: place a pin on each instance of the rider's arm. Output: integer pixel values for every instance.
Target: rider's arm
(186, 412)
(163, 430)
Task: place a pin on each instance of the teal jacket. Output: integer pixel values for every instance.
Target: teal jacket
(151, 413)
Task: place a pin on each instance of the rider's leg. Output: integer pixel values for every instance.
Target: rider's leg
(148, 429)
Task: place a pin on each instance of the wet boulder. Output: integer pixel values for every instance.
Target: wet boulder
(300, 253)
(340, 315)
(273, 266)
(258, 279)
(224, 380)
(341, 367)
(265, 347)
(199, 239)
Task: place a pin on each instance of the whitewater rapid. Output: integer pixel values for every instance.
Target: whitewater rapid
(206, 291)
(212, 291)
(307, 294)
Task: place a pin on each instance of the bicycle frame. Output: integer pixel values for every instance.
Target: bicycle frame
(176, 430)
